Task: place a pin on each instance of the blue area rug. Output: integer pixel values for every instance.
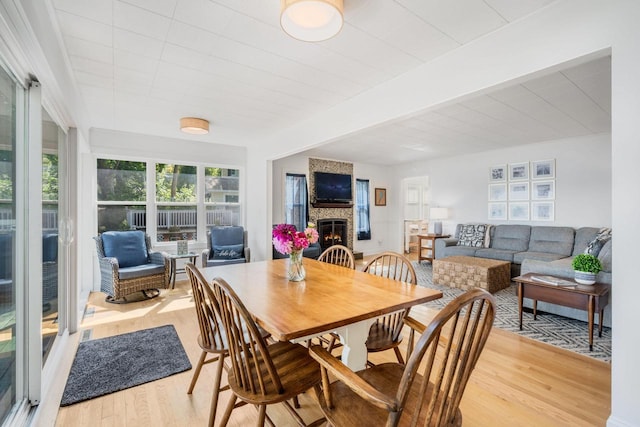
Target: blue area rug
(111, 364)
(549, 328)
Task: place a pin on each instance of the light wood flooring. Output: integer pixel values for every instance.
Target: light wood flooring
(517, 382)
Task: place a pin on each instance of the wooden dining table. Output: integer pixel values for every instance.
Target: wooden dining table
(330, 299)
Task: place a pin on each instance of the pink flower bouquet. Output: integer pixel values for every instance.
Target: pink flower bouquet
(287, 239)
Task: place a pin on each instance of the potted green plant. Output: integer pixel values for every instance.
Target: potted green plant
(586, 267)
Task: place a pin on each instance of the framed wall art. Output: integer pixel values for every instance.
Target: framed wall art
(498, 173)
(381, 196)
(497, 211)
(519, 171)
(542, 211)
(519, 211)
(519, 190)
(543, 169)
(543, 190)
(497, 192)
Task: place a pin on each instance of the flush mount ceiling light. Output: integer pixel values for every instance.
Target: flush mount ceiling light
(194, 125)
(311, 20)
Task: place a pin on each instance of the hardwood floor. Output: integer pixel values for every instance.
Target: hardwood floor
(517, 382)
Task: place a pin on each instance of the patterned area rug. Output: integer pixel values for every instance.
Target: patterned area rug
(549, 328)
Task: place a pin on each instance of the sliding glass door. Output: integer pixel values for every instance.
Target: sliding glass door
(11, 114)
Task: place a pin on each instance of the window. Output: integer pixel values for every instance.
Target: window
(181, 193)
(363, 227)
(222, 196)
(176, 199)
(296, 199)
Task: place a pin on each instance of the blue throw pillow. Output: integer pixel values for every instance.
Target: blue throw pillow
(128, 247)
(228, 251)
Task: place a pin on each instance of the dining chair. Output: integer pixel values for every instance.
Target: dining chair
(211, 338)
(342, 256)
(338, 255)
(384, 334)
(262, 374)
(428, 389)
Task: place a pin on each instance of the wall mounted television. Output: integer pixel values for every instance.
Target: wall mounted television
(332, 187)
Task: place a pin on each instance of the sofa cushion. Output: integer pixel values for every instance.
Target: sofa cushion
(140, 271)
(499, 254)
(128, 247)
(459, 251)
(228, 251)
(472, 235)
(552, 240)
(605, 257)
(594, 246)
(584, 235)
(510, 237)
(542, 256)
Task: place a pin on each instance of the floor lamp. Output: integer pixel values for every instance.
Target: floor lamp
(436, 214)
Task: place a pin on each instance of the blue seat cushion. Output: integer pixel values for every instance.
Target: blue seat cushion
(140, 271)
(49, 247)
(128, 247)
(228, 251)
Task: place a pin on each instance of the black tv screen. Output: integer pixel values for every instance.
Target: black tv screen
(333, 187)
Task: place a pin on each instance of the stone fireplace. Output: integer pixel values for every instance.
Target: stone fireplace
(332, 212)
(332, 231)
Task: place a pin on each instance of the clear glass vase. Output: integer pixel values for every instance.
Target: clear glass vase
(296, 269)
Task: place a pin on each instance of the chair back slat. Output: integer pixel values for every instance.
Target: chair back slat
(251, 363)
(338, 255)
(209, 321)
(452, 344)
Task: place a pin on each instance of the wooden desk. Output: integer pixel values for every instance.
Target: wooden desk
(592, 298)
(331, 298)
(431, 250)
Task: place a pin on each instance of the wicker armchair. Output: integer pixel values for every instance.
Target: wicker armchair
(128, 266)
(226, 244)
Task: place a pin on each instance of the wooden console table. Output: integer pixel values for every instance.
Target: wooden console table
(592, 298)
(431, 249)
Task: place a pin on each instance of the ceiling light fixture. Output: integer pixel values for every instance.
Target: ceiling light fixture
(194, 125)
(311, 20)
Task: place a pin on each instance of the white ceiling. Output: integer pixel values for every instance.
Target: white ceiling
(142, 64)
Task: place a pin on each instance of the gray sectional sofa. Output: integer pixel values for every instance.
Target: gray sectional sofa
(537, 249)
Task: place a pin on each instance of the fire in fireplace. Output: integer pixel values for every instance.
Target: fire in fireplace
(332, 231)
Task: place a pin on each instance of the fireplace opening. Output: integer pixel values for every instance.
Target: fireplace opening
(332, 231)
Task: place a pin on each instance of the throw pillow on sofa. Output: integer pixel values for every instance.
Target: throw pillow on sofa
(472, 235)
(594, 246)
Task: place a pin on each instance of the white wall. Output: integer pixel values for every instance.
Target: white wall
(583, 181)
(382, 218)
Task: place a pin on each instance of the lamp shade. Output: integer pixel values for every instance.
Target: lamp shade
(194, 125)
(438, 213)
(311, 20)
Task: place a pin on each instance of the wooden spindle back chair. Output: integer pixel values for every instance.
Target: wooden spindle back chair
(385, 333)
(261, 374)
(338, 255)
(428, 389)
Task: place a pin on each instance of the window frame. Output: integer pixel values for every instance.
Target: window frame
(152, 205)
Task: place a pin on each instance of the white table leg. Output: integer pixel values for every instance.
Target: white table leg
(353, 338)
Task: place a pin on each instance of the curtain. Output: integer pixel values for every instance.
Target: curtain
(363, 227)
(296, 200)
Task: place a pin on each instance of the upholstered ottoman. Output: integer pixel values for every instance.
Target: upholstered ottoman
(469, 272)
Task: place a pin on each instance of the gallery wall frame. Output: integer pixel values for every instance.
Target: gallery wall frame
(498, 173)
(543, 169)
(543, 190)
(519, 171)
(542, 211)
(497, 192)
(519, 211)
(498, 211)
(519, 190)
